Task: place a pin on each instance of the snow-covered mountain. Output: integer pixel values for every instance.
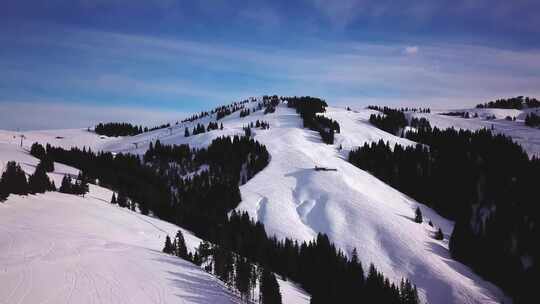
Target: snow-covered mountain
(355, 209)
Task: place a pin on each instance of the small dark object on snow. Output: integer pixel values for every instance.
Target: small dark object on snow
(324, 169)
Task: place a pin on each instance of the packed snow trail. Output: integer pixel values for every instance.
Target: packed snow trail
(60, 248)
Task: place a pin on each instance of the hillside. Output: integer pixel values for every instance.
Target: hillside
(354, 208)
(61, 248)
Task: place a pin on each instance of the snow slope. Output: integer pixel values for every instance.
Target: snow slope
(66, 138)
(527, 137)
(59, 248)
(354, 208)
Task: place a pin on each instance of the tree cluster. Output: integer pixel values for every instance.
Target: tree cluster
(245, 112)
(13, 181)
(391, 121)
(39, 182)
(459, 114)
(405, 109)
(419, 123)
(518, 102)
(77, 187)
(212, 126)
(227, 110)
(485, 182)
(39, 152)
(318, 266)
(308, 107)
(114, 129)
(178, 247)
(198, 129)
(532, 120)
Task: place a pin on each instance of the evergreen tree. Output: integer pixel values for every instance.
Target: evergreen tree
(113, 199)
(48, 163)
(81, 184)
(3, 192)
(439, 235)
(418, 215)
(242, 280)
(180, 249)
(37, 150)
(66, 186)
(122, 199)
(186, 132)
(39, 181)
(14, 179)
(269, 288)
(168, 248)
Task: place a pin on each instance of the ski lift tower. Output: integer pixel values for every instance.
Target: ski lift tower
(22, 137)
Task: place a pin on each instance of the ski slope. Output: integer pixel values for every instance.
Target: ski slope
(354, 208)
(59, 248)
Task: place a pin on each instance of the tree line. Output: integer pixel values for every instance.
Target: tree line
(518, 103)
(402, 109)
(113, 129)
(482, 181)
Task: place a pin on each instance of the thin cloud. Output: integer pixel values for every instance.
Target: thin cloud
(143, 70)
(411, 50)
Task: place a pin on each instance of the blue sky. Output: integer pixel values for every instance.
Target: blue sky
(73, 63)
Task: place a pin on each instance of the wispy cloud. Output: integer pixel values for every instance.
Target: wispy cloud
(168, 73)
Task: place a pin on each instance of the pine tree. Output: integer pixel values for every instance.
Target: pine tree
(14, 179)
(186, 132)
(66, 186)
(269, 288)
(48, 162)
(439, 235)
(39, 181)
(3, 192)
(168, 248)
(181, 249)
(122, 199)
(37, 151)
(113, 199)
(81, 185)
(418, 215)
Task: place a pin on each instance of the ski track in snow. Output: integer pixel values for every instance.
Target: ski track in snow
(352, 207)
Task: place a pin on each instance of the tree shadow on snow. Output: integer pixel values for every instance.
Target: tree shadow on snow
(197, 286)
